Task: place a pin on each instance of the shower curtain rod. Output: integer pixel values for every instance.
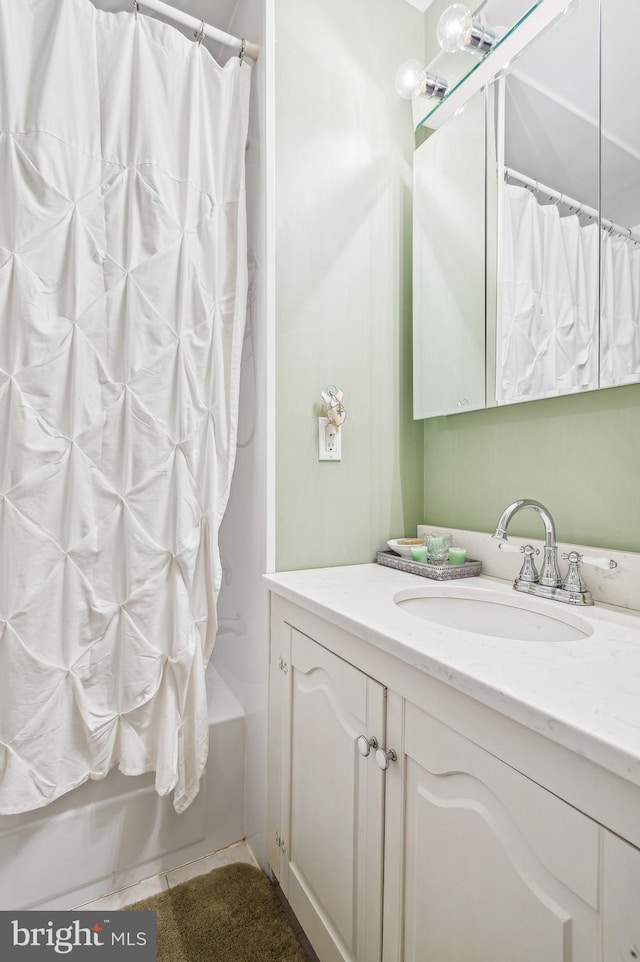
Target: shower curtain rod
(201, 28)
(542, 189)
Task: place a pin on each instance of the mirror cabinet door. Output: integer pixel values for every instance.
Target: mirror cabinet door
(620, 195)
(449, 266)
(547, 174)
(507, 243)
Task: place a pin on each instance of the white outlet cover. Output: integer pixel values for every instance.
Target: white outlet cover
(324, 454)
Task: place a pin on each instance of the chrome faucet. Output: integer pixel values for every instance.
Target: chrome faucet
(549, 577)
(548, 584)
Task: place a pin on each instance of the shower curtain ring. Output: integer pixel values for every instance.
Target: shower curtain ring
(242, 46)
(199, 36)
(136, 7)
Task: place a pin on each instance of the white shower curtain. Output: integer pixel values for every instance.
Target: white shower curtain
(122, 307)
(620, 311)
(547, 332)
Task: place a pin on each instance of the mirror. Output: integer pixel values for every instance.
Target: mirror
(528, 295)
(449, 266)
(620, 195)
(548, 235)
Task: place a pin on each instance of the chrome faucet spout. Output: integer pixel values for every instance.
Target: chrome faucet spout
(550, 574)
(545, 516)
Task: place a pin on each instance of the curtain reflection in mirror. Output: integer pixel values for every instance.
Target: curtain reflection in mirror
(548, 338)
(620, 310)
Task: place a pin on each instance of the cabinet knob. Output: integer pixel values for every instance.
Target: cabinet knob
(366, 744)
(383, 758)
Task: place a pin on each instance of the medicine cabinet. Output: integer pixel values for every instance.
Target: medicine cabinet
(527, 223)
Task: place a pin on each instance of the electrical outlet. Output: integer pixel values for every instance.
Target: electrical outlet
(329, 446)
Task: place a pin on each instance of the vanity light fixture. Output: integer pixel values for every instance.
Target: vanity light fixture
(412, 80)
(457, 30)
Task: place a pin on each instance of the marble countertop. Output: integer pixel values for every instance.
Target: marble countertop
(583, 694)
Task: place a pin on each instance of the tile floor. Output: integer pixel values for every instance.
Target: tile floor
(160, 883)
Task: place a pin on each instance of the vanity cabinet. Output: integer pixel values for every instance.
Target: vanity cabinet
(452, 852)
(326, 840)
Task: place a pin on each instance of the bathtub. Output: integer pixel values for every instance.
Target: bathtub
(111, 833)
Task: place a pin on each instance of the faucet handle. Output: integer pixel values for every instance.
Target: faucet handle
(596, 561)
(599, 562)
(529, 572)
(573, 580)
(518, 549)
(571, 556)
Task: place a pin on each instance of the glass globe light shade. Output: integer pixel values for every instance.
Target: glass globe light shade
(454, 28)
(408, 78)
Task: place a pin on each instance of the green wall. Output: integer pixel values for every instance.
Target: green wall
(579, 455)
(343, 177)
(344, 146)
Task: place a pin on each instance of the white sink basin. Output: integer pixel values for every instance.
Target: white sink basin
(485, 612)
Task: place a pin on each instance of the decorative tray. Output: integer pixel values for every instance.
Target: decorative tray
(427, 569)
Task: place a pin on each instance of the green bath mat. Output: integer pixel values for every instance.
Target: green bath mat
(230, 915)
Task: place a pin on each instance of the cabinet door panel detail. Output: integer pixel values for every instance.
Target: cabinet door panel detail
(473, 889)
(565, 840)
(475, 886)
(335, 812)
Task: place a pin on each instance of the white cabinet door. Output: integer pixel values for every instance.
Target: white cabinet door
(492, 868)
(332, 804)
(621, 900)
